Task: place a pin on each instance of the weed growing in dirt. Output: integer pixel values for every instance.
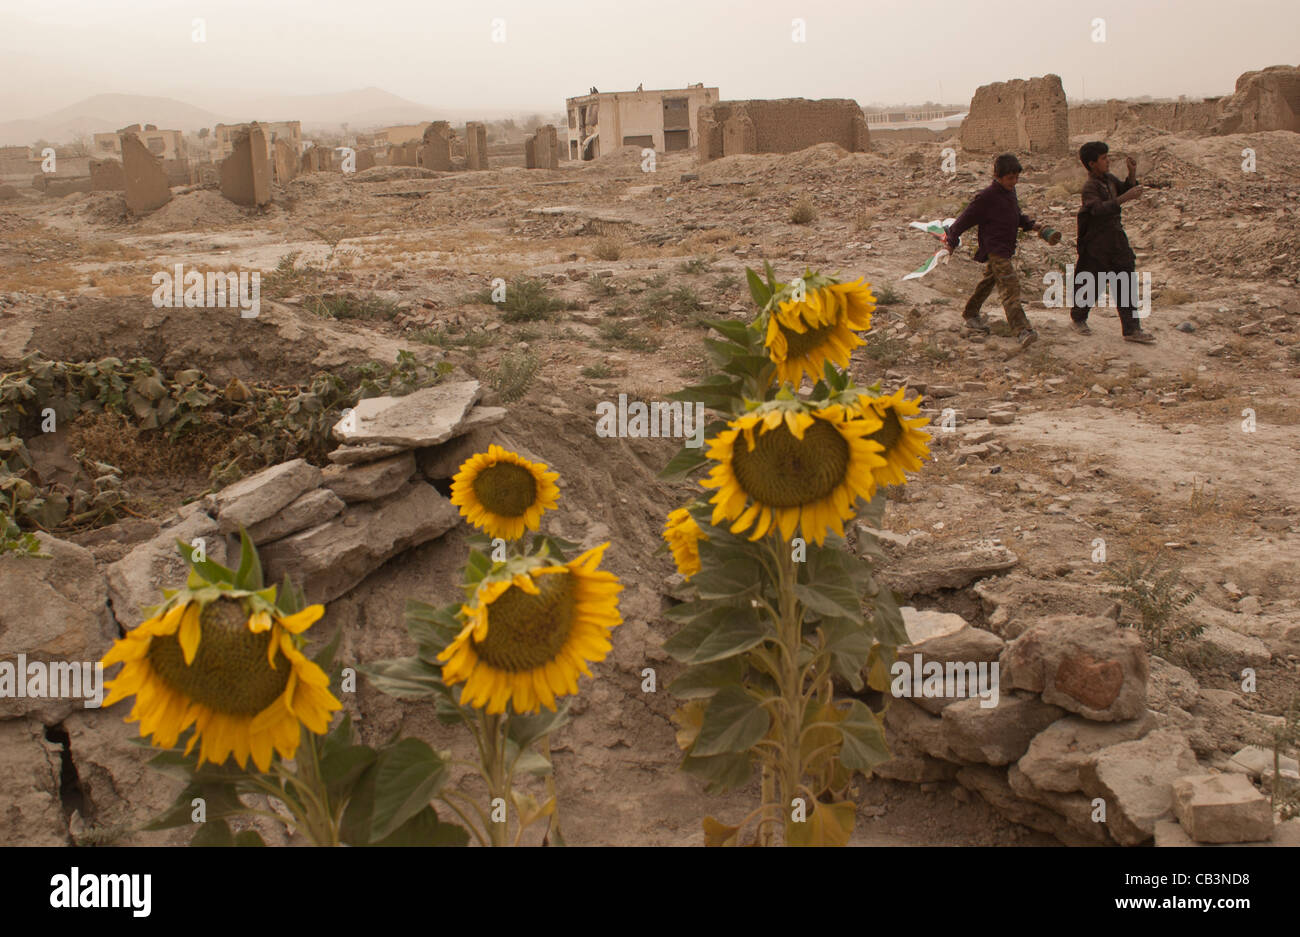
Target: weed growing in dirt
(13, 539)
(512, 377)
(726, 283)
(597, 371)
(288, 278)
(346, 306)
(1152, 589)
(886, 349)
(600, 287)
(622, 335)
(696, 265)
(607, 249)
(656, 282)
(932, 352)
(804, 212)
(887, 296)
(527, 300)
(1286, 741)
(863, 220)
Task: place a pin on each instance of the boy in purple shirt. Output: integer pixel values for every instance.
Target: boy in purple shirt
(996, 212)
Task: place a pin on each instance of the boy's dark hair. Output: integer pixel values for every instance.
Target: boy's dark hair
(1006, 164)
(1090, 152)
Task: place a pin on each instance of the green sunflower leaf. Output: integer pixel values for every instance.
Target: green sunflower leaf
(249, 838)
(761, 291)
(684, 463)
(724, 632)
(249, 575)
(405, 677)
(734, 579)
(830, 599)
(722, 772)
(212, 572)
(425, 829)
(733, 722)
(704, 680)
(407, 776)
(863, 733)
(849, 644)
(525, 730)
(887, 622)
(432, 627)
(213, 833)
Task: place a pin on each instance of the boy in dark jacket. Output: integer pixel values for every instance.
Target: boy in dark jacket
(1104, 250)
(996, 211)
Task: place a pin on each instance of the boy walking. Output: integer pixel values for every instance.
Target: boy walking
(996, 212)
(1104, 250)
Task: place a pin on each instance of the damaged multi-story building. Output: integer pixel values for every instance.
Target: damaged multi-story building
(663, 120)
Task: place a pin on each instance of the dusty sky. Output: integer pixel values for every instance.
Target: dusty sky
(442, 54)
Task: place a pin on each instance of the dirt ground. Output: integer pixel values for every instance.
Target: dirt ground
(1140, 446)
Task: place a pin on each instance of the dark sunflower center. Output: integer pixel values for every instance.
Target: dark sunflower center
(505, 489)
(526, 631)
(784, 472)
(799, 344)
(890, 432)
(230, 673)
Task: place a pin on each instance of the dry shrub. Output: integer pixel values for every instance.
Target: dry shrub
(112, 438)
(607, 248)
(804, 212)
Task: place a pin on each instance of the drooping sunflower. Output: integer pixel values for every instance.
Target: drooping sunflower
(802, 336)
(795, 468)
(683, 537)
(230, 669)
(503, 493)
(903, 441)
(526, 638)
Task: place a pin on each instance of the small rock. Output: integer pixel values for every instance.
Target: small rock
(1222, 808)
(369, 480)
(1185, 327)
(1002, 418)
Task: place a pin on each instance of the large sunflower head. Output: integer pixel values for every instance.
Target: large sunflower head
(803, 335)
(503, 493)
(531, 630)
(683, 537)
(795, 467)
(903, 442)
(226, 661)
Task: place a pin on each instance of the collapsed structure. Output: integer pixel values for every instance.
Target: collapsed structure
(603, 122)
(245, 173)
(780, 126)
(1018, 116)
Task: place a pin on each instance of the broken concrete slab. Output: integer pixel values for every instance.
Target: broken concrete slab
(921, 573)
(136, 580)
(329, 559)
(368, 481)
(144, 178)
(245, 173)
(1078, 810)
(996, 735)
(1056, 755)
(355, 455)
(263, 494)
(1222, 808)
(308, 510)
(424, 418)
(55, 608)
(1136, 781)
(1089, 666)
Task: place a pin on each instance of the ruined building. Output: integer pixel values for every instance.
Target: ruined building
(1018, 116)
(541, 150)
(780, 126)
(246, 172)
(602, 122)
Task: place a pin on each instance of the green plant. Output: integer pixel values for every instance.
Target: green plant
(526, 300)
(886, 349)
(596, 371)
(1152, 590)
(600, 287)
(803, 212)
(887, 296)
(288, 278)
(13, 539)
(512, 377)
(348, 306)
(696, 265)
(607, 248)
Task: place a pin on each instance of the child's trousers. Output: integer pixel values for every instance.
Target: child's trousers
(1000, 272)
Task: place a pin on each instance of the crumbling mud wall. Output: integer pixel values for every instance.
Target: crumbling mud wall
(542, 149)
(1264, 100)
(146, 179)
(106, 176)
(245, 172)
(784, 125)
(1025, 116)
(435, 153)
(1174, 116)
(286, 162)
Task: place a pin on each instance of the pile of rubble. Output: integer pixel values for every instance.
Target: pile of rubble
(1065, 743)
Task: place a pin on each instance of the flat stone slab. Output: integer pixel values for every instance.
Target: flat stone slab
(263, 494)
(1222, 808)
(424, 418)
(329, 559)
(996, 735)
(1136, 781)
(1056, 755)
(369, 480)
(918, 574)
(1256, 762)
(315, 507)
(352, 455)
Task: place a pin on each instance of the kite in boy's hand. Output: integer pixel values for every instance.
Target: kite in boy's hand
(939, 230)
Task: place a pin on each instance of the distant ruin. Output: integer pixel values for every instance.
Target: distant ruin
(1174, 116)
(245, 172)
(542, 149)
(1268, 99)
(146, 179)
(106, 176)
(780, 126)
(1018, 116)
(476, 156)
(436, 150)
(285, 160)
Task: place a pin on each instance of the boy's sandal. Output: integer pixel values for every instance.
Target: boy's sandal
(1141, 338)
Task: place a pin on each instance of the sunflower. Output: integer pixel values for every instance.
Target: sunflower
(503, 493)
(802, 336)
(230, 669)
(526, 638)
(683, 536)
(799, 469)
(904, 444)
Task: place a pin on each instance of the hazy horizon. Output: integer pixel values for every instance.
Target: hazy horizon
(895, 53)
